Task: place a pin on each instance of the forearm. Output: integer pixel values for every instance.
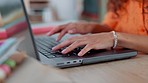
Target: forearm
(131, 41)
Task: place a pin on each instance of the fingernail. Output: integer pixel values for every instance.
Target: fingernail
(64, 51)
(53, 48)
(79, 54)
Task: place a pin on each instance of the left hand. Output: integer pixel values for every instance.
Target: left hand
(91, 41)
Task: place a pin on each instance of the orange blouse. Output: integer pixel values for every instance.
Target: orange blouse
(133, 19)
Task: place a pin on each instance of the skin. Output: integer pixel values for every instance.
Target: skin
(83, 28)
(74, 28)
(92, 41)
(101, 40)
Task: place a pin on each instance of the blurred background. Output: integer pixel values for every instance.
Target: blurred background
(46, 14)
(65, 10)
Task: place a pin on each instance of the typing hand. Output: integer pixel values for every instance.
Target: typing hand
(72, 28)
(91, 41)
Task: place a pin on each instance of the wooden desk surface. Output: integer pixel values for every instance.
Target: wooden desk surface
(32, 71)
(133, 70)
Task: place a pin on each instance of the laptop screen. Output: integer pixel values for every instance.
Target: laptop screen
(14, 25)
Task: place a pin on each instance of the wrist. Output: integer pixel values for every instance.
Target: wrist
(97, 28)
(93, 27)
(122, 40)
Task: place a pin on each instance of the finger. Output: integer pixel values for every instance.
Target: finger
(61, 35)
(56, 30)
(73, 31)
(72, 27)
(61, 45)
(85, 50)
(72, 47)
(49, 33)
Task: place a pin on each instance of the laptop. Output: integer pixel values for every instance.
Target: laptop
(39, 47)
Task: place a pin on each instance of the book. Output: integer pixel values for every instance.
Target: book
(12, 28)
(41, 30)
(1, 43)
(12, 18)
(15, 23)
(37, 8)
(9, 11)
(4, 48)
(38, 4)
(6, 33)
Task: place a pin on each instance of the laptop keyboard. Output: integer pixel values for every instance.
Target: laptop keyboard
(45, 44)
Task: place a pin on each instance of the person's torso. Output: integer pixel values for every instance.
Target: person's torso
(132, 20)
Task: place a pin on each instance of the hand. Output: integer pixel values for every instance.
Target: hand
(91, 41)
(72, 28)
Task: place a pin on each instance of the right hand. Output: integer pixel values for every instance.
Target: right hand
(72, 28)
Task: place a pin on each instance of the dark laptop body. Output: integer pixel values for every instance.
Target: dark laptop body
(30, 46)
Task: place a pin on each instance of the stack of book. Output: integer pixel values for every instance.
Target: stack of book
(38, 4)
(9, 32)
(37, 7)
(8, 60)
(12, 19)
(9, 65)
(4, 48)
(12, 28)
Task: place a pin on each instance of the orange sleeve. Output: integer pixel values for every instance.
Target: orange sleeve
(111, 19)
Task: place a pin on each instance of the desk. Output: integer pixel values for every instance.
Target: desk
(32, 71)
(133, 70)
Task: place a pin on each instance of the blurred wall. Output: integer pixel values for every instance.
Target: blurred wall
(67, 9)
